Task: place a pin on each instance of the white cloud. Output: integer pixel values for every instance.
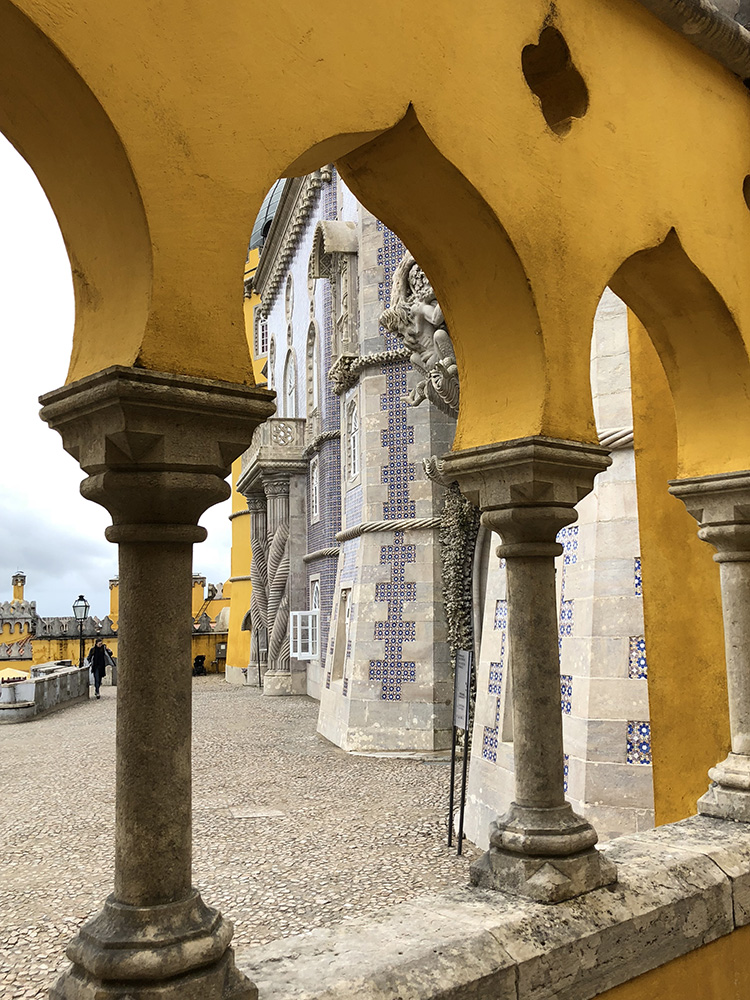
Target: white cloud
(46, 528)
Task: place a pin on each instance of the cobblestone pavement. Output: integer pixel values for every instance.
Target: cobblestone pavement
(289, 832)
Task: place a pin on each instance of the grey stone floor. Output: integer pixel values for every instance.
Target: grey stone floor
(289, 832)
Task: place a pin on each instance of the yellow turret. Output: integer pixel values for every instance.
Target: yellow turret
(18, 581)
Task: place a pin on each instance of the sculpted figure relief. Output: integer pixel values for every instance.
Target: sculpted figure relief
(416, 317)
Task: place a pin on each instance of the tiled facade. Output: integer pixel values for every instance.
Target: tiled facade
(381, 637)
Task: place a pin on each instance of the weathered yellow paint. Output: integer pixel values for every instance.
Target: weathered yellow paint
(250, 304)
(198, 595)
(238, 647)
(114, 602)
(717, 971)
(204, 643)
(17, 590)
(67, 648)
(171, 176)
(682, 604)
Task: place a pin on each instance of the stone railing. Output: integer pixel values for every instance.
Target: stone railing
(54, 686)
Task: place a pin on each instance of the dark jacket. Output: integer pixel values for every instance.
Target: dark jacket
(97, 659)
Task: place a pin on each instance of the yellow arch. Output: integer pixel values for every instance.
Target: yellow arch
(59, 127)
(474, 268)
(701, 350)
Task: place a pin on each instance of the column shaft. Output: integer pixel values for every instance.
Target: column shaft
(735, 599)
(153, 839)
(537, 720)
(721, 505)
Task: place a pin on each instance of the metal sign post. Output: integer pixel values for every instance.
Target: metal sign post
(461, 720)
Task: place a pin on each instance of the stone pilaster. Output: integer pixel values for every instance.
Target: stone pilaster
(156, 448)
(256, 503)
(278, 677)
(721, 506)
(527, 490)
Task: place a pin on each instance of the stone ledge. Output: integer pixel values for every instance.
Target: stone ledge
(680, 887)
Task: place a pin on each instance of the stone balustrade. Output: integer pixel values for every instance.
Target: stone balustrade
(51, 686)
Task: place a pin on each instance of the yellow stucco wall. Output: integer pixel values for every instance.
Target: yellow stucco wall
(682, 605)
(48, 650)
(114, 603)
(238, 649)
(540, 221)
(717, 971)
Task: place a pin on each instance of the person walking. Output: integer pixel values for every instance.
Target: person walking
(98, 658)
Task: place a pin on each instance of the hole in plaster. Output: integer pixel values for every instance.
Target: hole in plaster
(746, 190)
(551, 75)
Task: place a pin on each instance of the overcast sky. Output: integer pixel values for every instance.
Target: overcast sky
(46, 528)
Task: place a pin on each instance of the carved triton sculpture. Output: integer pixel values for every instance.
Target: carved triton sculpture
(416, 317)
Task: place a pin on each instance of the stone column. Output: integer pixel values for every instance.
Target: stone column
(256, 502)
(157, 448)
(278, 678)
(527, 491)
(721, 506)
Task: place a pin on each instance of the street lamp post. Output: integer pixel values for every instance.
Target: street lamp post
(81, 612)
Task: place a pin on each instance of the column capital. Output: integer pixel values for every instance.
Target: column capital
(256, 501)
(527, 489)
(156, 446)
(276, 485)
(721, 506)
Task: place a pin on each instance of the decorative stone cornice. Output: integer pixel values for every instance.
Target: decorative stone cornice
(297, 202)
(407, 524)
(347, 368)
(238, 513)
(717, 28)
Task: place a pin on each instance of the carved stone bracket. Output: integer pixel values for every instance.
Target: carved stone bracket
(346, 370)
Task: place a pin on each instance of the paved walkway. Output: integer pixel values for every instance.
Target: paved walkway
(289, 832)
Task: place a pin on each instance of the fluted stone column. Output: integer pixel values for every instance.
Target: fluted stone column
(721, 506)
(157, 448)
(527, 491)
(256, 503)
(278, 677)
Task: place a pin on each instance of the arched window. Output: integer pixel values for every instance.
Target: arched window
(289, 387)
(352, 439)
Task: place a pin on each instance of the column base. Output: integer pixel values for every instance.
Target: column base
(728, 797)
(543, 879)
(176, 950)
(279, 684)
(542, 832)
(220, 981)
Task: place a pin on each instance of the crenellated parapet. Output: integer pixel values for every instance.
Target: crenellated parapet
(64, 628)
